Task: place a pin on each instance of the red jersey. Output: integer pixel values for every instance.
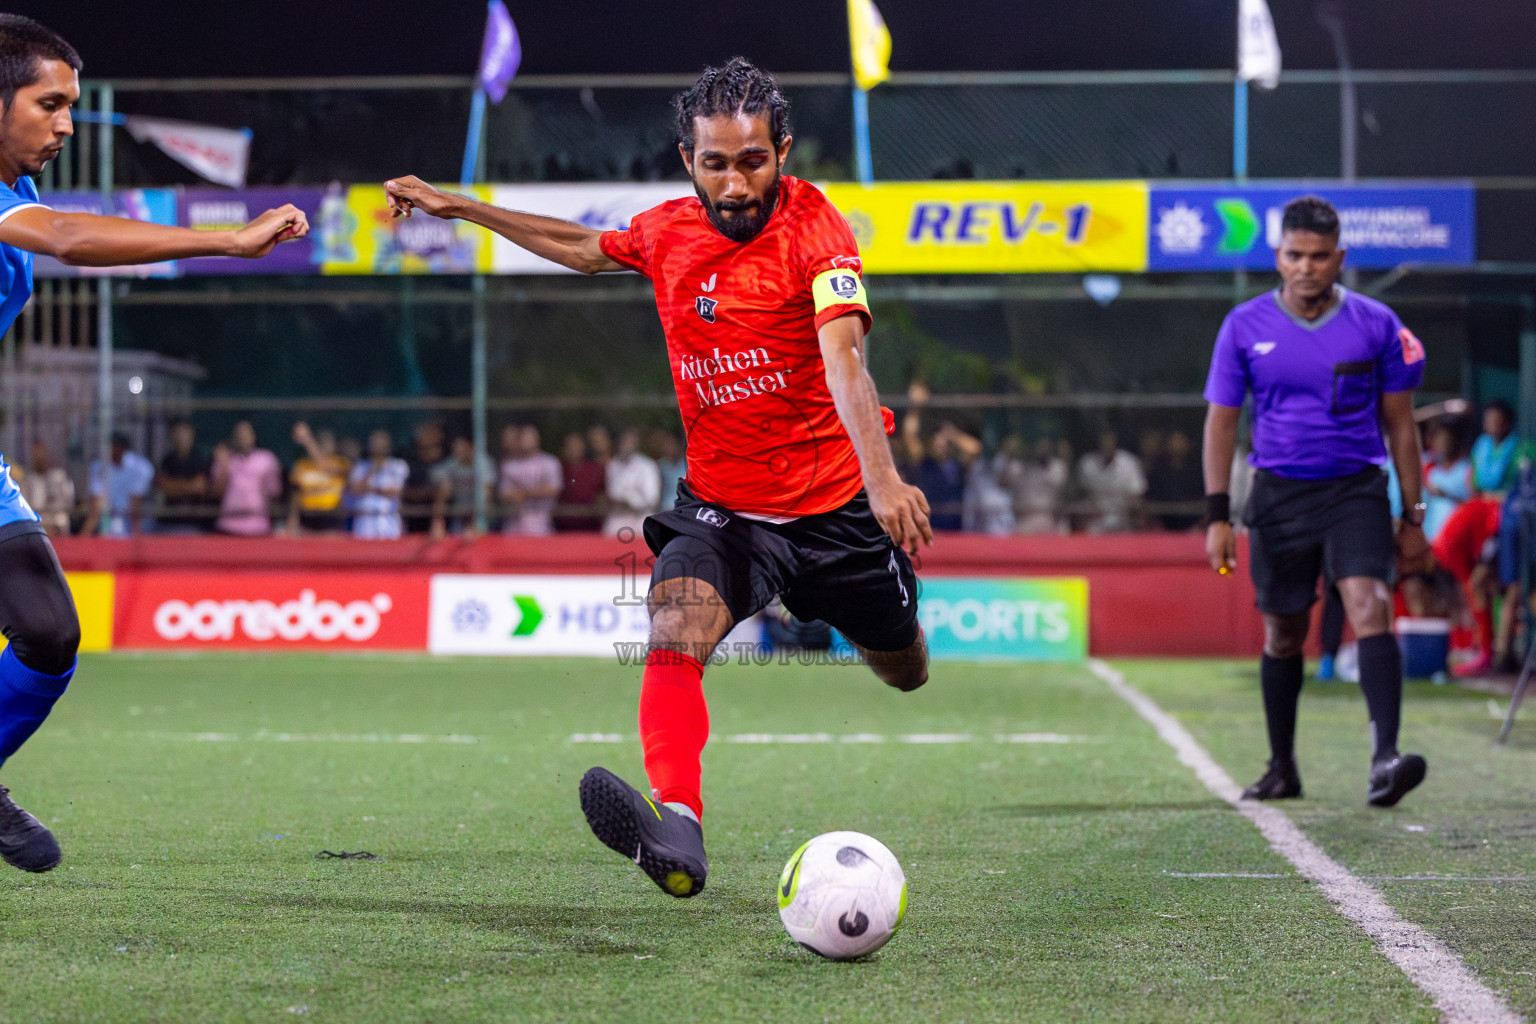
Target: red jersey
(740, 320)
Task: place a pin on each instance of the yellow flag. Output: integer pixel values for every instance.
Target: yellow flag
(871, 43)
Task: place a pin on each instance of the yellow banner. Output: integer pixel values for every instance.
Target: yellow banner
(95, 599)
(996, 227)
(366, 240)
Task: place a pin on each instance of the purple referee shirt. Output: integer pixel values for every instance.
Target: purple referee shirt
(1317, 384)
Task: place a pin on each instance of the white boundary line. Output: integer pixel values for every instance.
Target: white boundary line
(1451, 986)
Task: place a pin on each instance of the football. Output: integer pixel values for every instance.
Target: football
(842, 895)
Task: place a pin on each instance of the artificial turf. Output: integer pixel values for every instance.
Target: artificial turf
(1054, 848)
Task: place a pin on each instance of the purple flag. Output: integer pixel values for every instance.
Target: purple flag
(501, 52)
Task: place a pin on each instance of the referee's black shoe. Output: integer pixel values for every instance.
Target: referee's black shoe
(25, 842)
(666, 845)
(1280, 782)
(1393, 777)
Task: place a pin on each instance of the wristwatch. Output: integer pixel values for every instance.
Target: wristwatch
(1414, 514)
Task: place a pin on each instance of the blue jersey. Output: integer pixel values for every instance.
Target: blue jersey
(15, 290)
(1317, 384)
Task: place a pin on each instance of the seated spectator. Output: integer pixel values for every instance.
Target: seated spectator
(420, 493)
(1447, 478)
(246, 480)
(182, 481)
(671, 461)
(375, 486)
(453, 508)
(529, 482)
(581, 499)
(1113, 483)
(1037, 486)
(1176, 477)
(988, 491)
(633, 486)
(118, 491)
(49, 490)
(319, 481)
(1493, 453)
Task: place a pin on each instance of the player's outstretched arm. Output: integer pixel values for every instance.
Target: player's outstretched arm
(89, 240)
(1220, 445)
(900, 508)
(559, 241)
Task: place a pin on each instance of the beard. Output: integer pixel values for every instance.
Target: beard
(748, 219)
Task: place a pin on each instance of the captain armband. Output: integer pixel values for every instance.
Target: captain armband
(838, 288)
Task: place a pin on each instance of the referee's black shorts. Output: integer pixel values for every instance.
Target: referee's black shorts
(838, 566)
(1301, 529)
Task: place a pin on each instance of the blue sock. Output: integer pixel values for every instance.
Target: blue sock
(26, 697)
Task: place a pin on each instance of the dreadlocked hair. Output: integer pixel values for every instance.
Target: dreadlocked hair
(24, 45)
(738, 87)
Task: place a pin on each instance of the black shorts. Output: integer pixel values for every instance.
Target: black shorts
(1301, 529)
(839, 566)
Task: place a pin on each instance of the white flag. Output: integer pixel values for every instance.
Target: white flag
(218, 154)
(1258, 50)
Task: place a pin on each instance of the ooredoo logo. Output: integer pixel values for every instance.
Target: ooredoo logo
(304, 618)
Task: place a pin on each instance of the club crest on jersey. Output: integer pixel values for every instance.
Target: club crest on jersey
(706, 307)
(713, 518)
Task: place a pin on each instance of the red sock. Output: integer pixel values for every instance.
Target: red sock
(674, 724)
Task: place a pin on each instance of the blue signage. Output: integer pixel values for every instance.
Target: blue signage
(1238, 227)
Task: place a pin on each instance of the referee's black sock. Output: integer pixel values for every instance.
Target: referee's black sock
(1281, 680)
(1381, 681)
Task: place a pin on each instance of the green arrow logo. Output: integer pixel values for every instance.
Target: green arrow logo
(1242, 226)
(530, 614)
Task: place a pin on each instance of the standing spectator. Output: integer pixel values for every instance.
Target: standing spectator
(530, 482)
(1493, 453)
(182, 481)
(633, 485)
(1447, 478)
(246, 479)
(988, 491)
(375, 486)
(599, 444)
(49, 490)
(1037, 485)
(453, 508)
(319, 481)
(581, 493)
(118, 491)
(1114, 483)
(671, 461)
(420, 494)
(1174, 478)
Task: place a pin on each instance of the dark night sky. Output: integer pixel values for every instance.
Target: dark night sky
(178, 38)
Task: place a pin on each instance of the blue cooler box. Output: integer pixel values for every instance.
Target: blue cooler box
(1426, 646)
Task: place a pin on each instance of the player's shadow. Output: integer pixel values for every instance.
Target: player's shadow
(1076, 810)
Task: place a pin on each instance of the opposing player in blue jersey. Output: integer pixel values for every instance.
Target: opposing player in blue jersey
(39, 82)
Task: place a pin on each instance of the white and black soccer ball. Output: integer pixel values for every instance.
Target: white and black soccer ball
(842, 895)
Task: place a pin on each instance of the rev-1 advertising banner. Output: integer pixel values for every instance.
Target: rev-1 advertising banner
(1237, 227)
(222, 209)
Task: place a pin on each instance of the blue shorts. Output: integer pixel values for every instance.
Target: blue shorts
(1509, 541)
(13, 507)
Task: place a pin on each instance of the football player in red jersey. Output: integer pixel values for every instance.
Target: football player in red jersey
(790, 488)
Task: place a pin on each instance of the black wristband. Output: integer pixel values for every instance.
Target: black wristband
(1218, 507)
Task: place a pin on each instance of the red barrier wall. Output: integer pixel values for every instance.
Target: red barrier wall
(1149, 594)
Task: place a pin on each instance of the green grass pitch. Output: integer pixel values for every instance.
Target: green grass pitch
(1050, 881)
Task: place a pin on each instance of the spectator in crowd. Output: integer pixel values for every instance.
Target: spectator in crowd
(1493, 453)
(1150, 446)
(453, 506)
(1447, 478)
(1037, 486)
(938, 468)
(375, 486)
(49, 490)
(989, 491)
(671, 461)
(529, 482)
(319, 481)
(182, 481)
(1176, 477)
(118, 491)
(599, 444)
(633, 485)
(246, 480)
(420, 493)
(581, 501)
(1113, 482)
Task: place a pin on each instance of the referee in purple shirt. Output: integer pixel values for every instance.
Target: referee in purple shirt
(1330, 371)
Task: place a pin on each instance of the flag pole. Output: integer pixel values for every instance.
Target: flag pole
(1240, 129)
(472, 140)
(862, 155)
